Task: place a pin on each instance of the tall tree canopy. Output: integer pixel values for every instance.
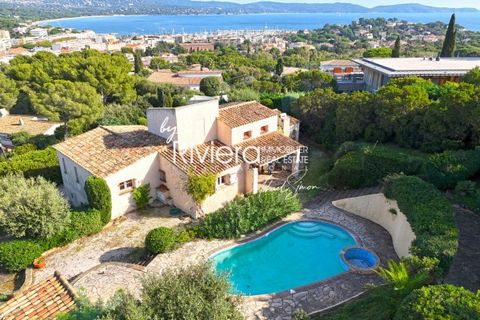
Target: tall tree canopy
(449, 43)
(8, 92)
(76, 104)
(107, 73)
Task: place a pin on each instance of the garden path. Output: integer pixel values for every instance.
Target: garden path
(465, 269)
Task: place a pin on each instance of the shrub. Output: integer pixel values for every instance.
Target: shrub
(245, 215)
(34, 163)
(141, 196)
(193, 292)
(430, 216)
(300, 314)
(440, 302)
(160, 240)
(86, 223)
(369, 164)
(445, 169)
(211, 86)
(17, 255)
(199, 187)
(82, 224)
(31, 207)
(23, 149)
(99, 197)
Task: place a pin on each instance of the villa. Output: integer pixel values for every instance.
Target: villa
(237, 142)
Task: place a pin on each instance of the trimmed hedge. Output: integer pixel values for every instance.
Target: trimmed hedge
(16, 255)
(160, 240)
(430, 216)
(99, 197)
(448, 168)
(245, 215)
(34, 163)
(164, 239)
(440, 302)
(368, 164)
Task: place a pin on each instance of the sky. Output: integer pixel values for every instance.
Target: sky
(373, 3)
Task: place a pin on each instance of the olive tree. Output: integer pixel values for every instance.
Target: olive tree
(31, 207)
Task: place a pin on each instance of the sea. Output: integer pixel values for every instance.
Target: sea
(175, 24)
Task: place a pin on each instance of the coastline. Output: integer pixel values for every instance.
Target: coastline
(128, 25)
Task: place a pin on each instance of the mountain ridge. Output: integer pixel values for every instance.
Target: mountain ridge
(196, 7)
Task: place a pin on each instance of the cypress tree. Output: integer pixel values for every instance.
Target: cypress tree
(396, 48)
(279, 67)
(450, 41)
(137, 63)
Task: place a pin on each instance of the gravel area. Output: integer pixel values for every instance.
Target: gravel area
(120, 241)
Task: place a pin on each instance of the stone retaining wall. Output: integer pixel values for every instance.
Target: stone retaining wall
(385, 212)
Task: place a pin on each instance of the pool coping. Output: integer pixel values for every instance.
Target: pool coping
(271, 228)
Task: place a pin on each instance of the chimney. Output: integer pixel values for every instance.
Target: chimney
(285, 124)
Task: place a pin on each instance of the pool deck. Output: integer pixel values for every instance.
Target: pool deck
(311, 298)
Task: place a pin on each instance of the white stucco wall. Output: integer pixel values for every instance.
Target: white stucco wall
(143, 171)
(194, 124)
(375, 207)
(237, 133)
(162, 122)
(74, 191)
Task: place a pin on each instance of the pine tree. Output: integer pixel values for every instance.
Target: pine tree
(450, 39)
(396, 48)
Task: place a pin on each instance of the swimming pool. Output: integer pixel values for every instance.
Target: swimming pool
(293, 255)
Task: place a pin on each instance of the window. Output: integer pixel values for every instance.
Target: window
(76, 175)
(127, 185)
(221, 180)
(163, 176)
(64, 166)
(247, 135)
(264, 129)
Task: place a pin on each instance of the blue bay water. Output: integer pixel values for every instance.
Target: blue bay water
(161, 24)
(291, 256)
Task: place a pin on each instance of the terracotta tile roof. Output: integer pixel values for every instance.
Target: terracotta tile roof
(342, 63)
(44, 300)
(203, 158)
(107, 149)
(10, 124)
(237, 114)
(173, 78)
(268, 148)
(204, 72)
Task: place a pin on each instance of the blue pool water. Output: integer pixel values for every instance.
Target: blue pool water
(293, 255)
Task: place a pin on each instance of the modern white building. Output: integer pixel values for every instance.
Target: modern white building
(39, 32)
(379, 71)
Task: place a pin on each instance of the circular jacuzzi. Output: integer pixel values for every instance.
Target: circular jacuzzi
(360, 259)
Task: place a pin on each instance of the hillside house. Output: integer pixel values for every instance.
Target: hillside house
(236, 142)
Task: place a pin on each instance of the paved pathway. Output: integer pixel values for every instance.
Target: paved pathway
(465, 269)
(118, 242)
